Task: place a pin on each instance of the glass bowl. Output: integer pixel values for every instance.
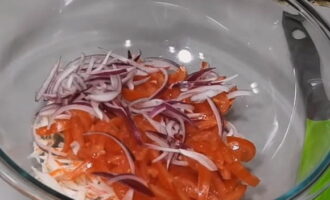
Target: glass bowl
(242, 37)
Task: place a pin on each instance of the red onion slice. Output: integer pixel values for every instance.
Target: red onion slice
(231, 128)
(81, 107)
(194, 76)
(130, 180)
(140, 82)
(183, 106)
(48, 109)
(157, 110)
(156, 139)
(146, 103)
(116, 107)
(63, 116)
(182, 130)
(138, 65)
(159, 148)
(169, 128)
(113, 109)
(158, 134)
(238, 93)
(96, 107)
(138, 56)
(209, 76)
(51, 76)
(229, 78)
(91, 65)
(185, 85)
(217, 116)
(103, 97)
(108, 96)
(158, 126)
(80, 81)
(64, 75)
(169, 160)
(169, 109)
(109, 72)
(129, 54)
(130, 84)
(176, 114)
(116, 83)
(119, 64)
(104, 62)
(130, 75)
(141, 73)
(200, 158)
(160, 157)
(204, 95)
(216, 89)
(129, 155)
(196, 116)
(67, 84)
(134, 129)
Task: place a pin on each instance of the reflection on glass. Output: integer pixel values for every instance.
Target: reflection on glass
(171, 49)
(67, 2)
(185, 56)
(128, 43)
(272, 134)
(201, 56)
(254, 87)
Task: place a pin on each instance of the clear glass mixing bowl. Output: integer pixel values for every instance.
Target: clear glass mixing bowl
(243, 36)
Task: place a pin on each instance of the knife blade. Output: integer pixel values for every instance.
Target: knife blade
(306, 62)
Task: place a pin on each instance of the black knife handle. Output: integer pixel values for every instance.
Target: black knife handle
(306, 61)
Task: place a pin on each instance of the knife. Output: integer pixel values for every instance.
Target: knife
(316, 148)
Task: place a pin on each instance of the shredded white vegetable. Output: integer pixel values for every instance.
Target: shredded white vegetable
(78, 190)
(51, 172)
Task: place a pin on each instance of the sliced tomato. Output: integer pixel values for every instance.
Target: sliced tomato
(85, 118)
(171, 93)
(204, 182)
(237, 193)
(77, 130)
(164, 178)
(223, 103)
(219, 186)
(179, 75)
(161, 193)
(231, 184)
(243, 174)
(120, 189)
(185, 179)
(242, 148)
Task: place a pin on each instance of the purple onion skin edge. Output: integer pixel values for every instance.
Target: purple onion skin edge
(196, 75)
(135, 131)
